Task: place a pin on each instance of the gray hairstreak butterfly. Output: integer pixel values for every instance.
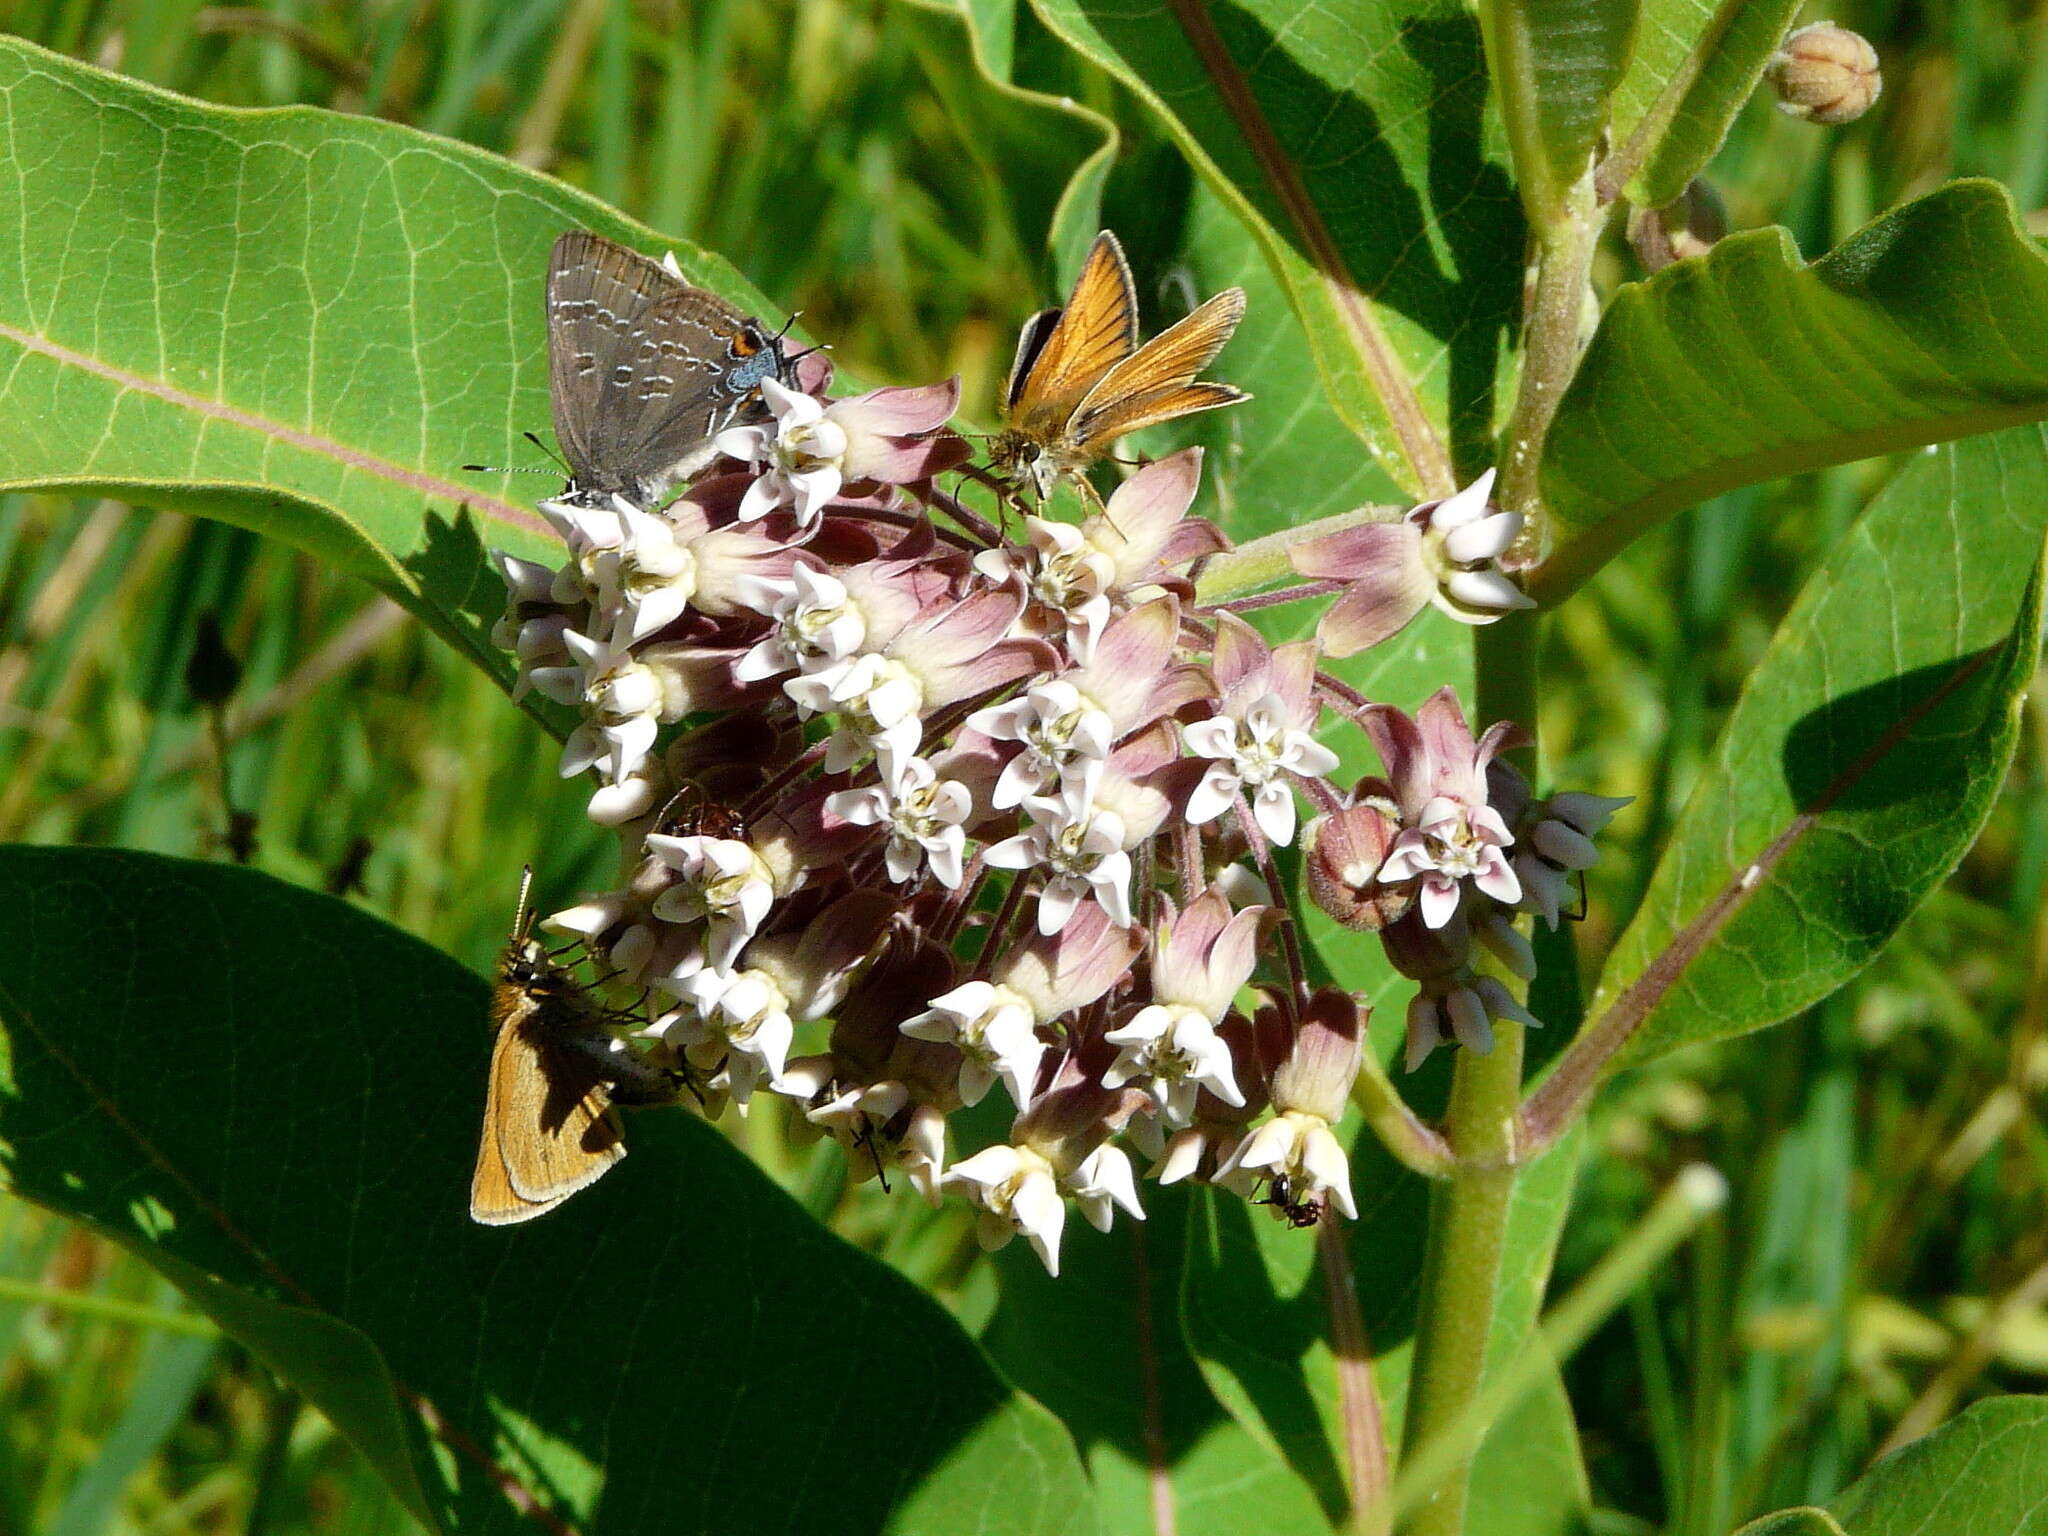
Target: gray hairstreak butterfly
(645, 370)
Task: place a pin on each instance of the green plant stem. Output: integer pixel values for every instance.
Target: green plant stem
(1550, 354)
(1263, 561)
(1468, 1221)
(1468, 1215)
(1416, 1144)
(1695, 1193)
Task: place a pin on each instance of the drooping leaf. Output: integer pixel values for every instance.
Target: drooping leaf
(1859, 762)
(1694, 64)
(1044, 140)
(1354, 139)
(298, 321)
(1794, 1522)
(1258, 1305)
(1980, 1474)
(1555, 63)
(1102, 1347)
(1929, 324)
(276, 1098)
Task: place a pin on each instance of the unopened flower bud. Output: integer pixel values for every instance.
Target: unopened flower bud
(1423, 953)
(1345, 850)
(1316, 1077)
(1688, 227)
(1825, 74)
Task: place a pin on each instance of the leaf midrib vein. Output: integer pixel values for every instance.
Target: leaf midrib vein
(275, 431)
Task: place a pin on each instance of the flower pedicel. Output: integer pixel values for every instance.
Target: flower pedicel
(1001, 818)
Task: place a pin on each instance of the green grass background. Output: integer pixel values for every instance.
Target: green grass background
(1885, 1256)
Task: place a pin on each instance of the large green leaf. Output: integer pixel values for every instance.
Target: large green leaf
(1981, 1474)
(1102, 1347)
(1860, 761)
(1039, 139)
(1929, 324)
(1984, 1473)
(1354, 138)
(294, 320)
(275, 1098)
(1695, 63)
(1259, 1309)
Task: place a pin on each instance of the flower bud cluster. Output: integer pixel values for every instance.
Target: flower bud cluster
(912, 813)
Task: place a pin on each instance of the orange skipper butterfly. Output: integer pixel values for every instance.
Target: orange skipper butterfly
(1081, 380)
(556, 1071)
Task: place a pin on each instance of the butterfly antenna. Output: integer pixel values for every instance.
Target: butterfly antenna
(560, 464)
(1090, 493)
(522, 916)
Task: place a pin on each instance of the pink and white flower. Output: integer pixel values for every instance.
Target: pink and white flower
(1442, 552)
(1449, 833)
(922, 812)
(1259, 740)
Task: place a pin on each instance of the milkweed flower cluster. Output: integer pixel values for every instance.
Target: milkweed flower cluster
(913, 813)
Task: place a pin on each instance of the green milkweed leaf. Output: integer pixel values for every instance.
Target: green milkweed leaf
(275, 1098)
(1929, 324)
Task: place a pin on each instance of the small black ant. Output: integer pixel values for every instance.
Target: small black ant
(1296, 1213)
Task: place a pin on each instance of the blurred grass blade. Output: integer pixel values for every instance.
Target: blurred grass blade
(173, 1368)
(1855, 771)
(109, 1308)
(295, 321)
(1930, 324)
(1804, 1521)
(275, 1098)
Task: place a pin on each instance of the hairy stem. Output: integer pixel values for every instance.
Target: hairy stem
(1414, 1143)
(1550, 354)
(1468, 1220)
(1697, 1192)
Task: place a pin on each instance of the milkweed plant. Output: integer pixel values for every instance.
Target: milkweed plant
(1019, 821)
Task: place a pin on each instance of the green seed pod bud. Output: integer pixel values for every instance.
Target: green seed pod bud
(1688, 227)
(1825, 74)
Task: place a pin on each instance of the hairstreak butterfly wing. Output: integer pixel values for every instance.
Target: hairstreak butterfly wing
(645, 370)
